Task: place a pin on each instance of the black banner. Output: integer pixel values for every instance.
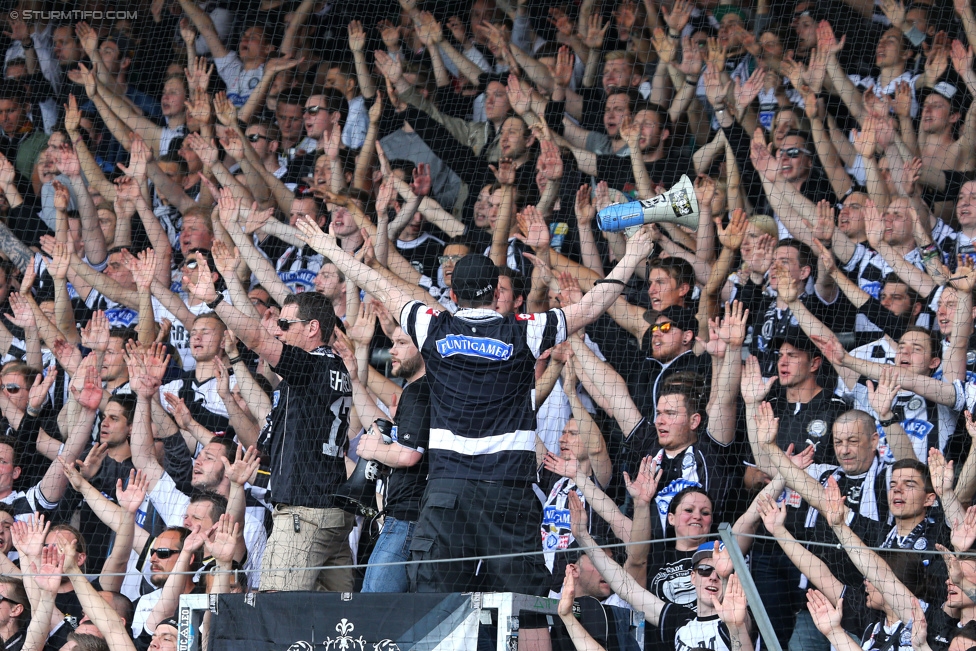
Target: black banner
(303, 621)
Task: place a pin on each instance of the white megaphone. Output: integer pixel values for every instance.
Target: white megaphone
(679, 205)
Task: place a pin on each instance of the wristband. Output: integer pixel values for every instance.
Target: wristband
(33, 413)
(889, 422)
(234, 360)
(691, 82)
(610, 281)
(930, 252)
(217, 301)
(673, 34)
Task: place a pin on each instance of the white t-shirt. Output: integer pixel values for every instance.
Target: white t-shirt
(240, 82)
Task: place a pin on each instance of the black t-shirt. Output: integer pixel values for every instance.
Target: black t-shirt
(618, 171)
(67, 603)
(16, 641)
(941, 626)
(405, 486)
(481, 367)
(931, 531)
(669, 575)
(770, 322)
(422, 254)
(305, 432)
(644, 382)
(804, 424)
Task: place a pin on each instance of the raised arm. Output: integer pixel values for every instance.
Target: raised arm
(145, 379)
(54, 482)
(598, 299)
(596, 447)
(929, 388)
(105, 285)
(130, 498)
(46, 575)
(722, 407)
(880, 399)
(369, 279)
(867, 562)
(257, 263)
(93, 173)
(837, 78)
(205, 26)
(819, 574)
(642, 490)
(91, 234)
(582, 640)
(762, 428)
(102, 616)
(621, 582)
(606, 387)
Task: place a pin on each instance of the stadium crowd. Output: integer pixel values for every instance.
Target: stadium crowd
(293, 289)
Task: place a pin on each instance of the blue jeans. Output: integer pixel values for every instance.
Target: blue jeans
(806, 637)
(393, 546)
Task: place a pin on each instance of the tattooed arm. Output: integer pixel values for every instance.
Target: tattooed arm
(14, 249)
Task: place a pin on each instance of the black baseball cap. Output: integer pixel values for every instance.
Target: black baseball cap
(682, 317)
(798, 340)
(474, 276)
(169, 621)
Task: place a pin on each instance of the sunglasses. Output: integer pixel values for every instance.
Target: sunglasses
(12, 389)
(664, 328)
(444, 259)
(254, 137)
(163, 553)
(704, 570)
(313, 110)
(794, 152)
(284, 324)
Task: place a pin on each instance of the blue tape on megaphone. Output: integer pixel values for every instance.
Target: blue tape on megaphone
(620, 216)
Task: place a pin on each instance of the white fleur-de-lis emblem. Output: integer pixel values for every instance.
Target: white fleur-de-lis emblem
(345, 641)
